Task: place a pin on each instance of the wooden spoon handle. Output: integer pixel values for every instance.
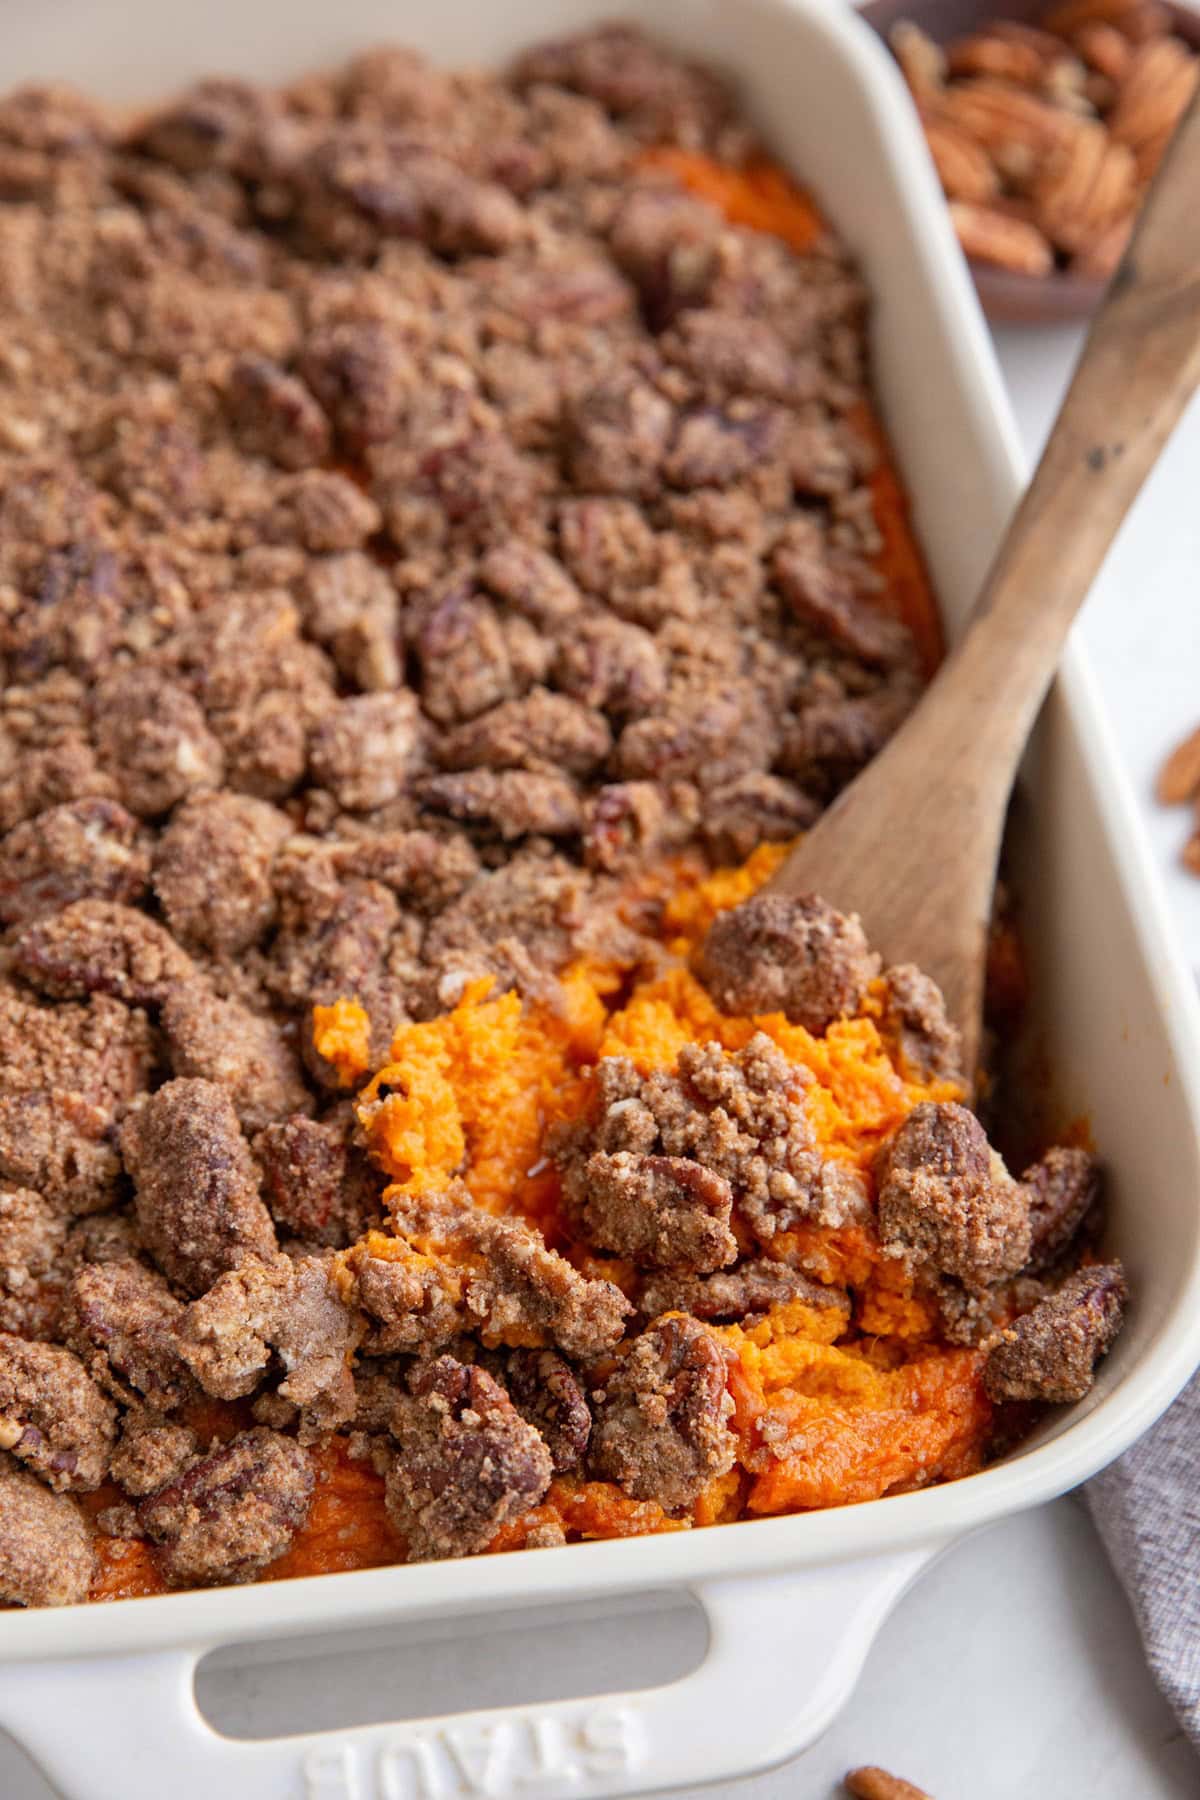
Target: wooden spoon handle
(1139, 366)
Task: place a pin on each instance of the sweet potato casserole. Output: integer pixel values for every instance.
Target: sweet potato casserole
(446, 554)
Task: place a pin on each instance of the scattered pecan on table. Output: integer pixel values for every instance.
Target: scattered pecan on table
(1179, 785)
(870, 1783)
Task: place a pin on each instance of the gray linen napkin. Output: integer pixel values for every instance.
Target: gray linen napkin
(1147, 1509)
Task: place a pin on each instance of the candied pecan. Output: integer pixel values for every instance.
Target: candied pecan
(231, 1513)
(971, 1316)
(153, 737)
(516, 922)
(32, 1242)
(274, 414)
(1050, 1353)
(415, 1302)
(626, 822)
(261, 685)
(285, 1315)
(322, 511)
(361, 376)
(150, 1452)
(1064, 1189)
(542, 728)
(352, 608)
(365, 747)
(667, 244)
(318, 1184)
(42, 779)
(357, 191)
(333, 941)
(530, 581)
(718, 446)
(66, 1075)
(217, 124)
(654, 92)
(524, 1287)
(549, 1396)
(453, 475)
(617, 434)
(709, 731)
(611, 664)
(69, 618)
(86, 849)
(915, 1013)
(56, 1140)
(463, 655)
(946, 1199)
(661, 1212)
(608, 546)
(831, 740)
(795, 955)
(197, 1199)
(735, 1294)
(53, 1417)
(738, 1117)
(466, 1462)
(525, 390)
(46, 1555)
(822, 597)
(824, 460)
(514, 802)
(212, 870)
(99, 947)
(661, 1422)
(120, 1319)
(735, 355)
(754, 809)
(248, 1053)
(53, 118)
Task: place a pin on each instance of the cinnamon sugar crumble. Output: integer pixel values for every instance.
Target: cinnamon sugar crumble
(434, 542)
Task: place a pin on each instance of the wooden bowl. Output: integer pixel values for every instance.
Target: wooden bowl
(1008, 298)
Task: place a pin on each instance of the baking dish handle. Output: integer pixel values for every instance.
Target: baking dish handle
(783, 1655)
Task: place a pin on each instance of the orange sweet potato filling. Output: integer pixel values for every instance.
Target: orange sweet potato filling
(856, 1408)
(342, 1035)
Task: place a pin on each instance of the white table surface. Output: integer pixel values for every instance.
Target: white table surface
(1013, 1668)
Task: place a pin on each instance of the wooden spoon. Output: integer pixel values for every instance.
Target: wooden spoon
(912, 844)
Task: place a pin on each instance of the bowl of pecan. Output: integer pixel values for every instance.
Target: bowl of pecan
(1046, 123)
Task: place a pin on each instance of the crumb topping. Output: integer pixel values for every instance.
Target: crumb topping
(447, 553)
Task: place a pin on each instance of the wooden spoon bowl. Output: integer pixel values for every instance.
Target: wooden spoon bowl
(1008, 298)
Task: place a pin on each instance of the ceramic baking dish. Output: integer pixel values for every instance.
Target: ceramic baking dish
(103, 1696)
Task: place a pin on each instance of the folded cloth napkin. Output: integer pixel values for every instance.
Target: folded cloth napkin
(1147, 1508)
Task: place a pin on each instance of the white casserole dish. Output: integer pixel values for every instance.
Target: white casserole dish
(102, 1697)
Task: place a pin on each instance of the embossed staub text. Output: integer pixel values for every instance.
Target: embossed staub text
(540, 1755)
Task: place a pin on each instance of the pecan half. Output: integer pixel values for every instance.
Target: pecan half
(1179, 777)
(466, 1461)
(661, 1428)
(1050, 1354)
(231, 1513)
(872, 1783)
(990, 236)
